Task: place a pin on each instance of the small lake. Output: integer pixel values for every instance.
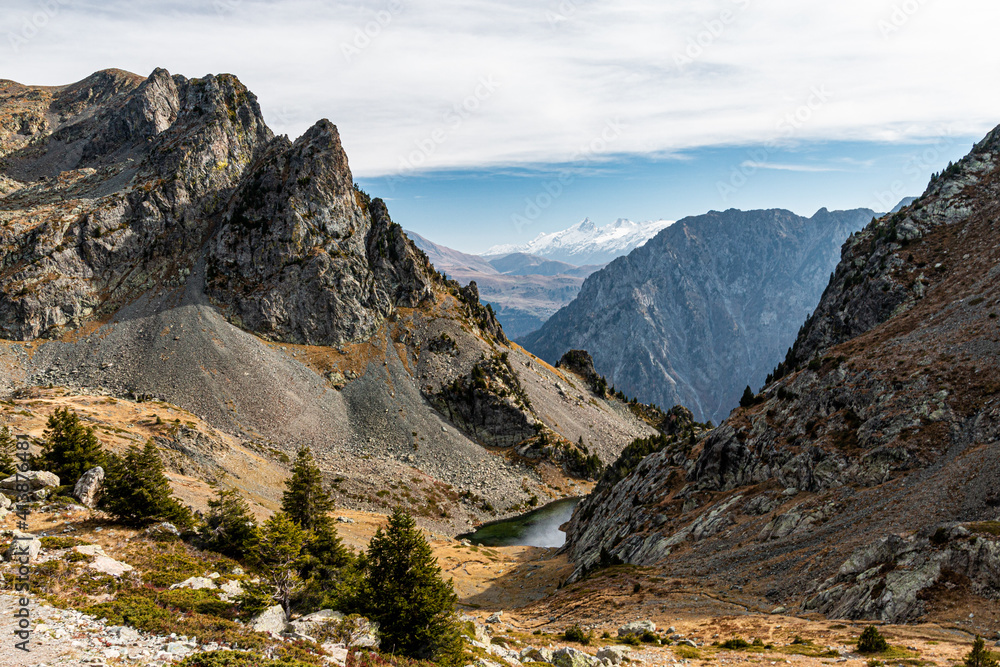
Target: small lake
(538, 528)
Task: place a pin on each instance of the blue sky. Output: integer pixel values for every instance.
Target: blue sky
(461, 111)
(473, 209)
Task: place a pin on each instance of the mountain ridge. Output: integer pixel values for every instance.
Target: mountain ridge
(859, 483)
(703, 309)
(585, 243)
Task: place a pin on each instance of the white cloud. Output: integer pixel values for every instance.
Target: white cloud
(893, 70)
(788, 167)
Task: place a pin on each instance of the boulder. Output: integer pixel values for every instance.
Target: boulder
(5, 502)
(196, 583)
(36, 479)
(103, 562)
(336, 653)
(23, 543)
(636, 628)
(533, 654)
(88, 487)
(571, 657)
(270, 620)
(164, 528)
(230, 590)
(495, 618)
(616, 655)
(309, 623)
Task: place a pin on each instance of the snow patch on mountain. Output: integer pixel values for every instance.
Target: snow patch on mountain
(586, 243)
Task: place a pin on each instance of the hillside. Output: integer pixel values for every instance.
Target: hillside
(158, 242)
(705, 308)
(862, 482)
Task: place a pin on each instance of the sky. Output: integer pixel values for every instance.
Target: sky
(484, 122)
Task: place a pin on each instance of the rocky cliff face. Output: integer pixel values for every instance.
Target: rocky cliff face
(157, 241)
(705, 308)
(862, 482)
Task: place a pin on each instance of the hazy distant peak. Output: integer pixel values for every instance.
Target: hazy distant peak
(586, 243)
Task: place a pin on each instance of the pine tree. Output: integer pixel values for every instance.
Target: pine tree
(872, 641)
(230, 528)
(748, 398)
(70, 448)
(405, 593)
(278, 554)
(979, 656)
(8, 446)
(137, 492)
(305, 501)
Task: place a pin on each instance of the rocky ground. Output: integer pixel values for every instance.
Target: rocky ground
(512, 596)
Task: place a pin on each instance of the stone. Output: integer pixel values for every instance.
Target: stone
(109, 566)
(778, 610)
(495, 617)
(636, 628)
(122, 634)
(271, 620)
(571, 657)
(5, 502)
(230, 590)
(336, 653)
(533, 654)
(311, 622)
(196, 583)
(615, 655)
(23, 544)
(88, 487)
(164, 528)
(36, 479)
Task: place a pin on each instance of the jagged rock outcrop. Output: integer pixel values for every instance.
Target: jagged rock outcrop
(158, 242)
(303, 256)
(703, 309)
(884, 421)
(140, 169)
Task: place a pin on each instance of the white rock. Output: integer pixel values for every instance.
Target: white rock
(36, 479)
(196, 583)
(636, 628)
(271, 620)
(336, 653)
(110, 566)
(616, 655)
(88, 487)
(23, 544)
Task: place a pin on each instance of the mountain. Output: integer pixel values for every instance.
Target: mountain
(705, 308)
(450, 260)
(861, 483)
(160, 246)
(524, 290)
(523, 264)
(585, 243)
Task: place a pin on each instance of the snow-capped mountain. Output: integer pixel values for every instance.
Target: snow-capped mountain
(586, 243)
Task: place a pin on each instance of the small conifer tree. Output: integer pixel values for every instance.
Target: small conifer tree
(872, 641)
(278, 555)
(748, 398)
(229, 528)
(980, 656)
(405, 593)
(70, 448)
(8, 464)
(305, 501)
(137, 492)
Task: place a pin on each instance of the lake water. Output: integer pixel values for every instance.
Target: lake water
(538, 528)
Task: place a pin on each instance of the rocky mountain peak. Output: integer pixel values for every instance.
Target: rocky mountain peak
(857, 483)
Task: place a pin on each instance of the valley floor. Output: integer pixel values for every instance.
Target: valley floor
(514, 596)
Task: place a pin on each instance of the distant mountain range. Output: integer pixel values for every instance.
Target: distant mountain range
(524, 290)
(707, 307)
(585, 243)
